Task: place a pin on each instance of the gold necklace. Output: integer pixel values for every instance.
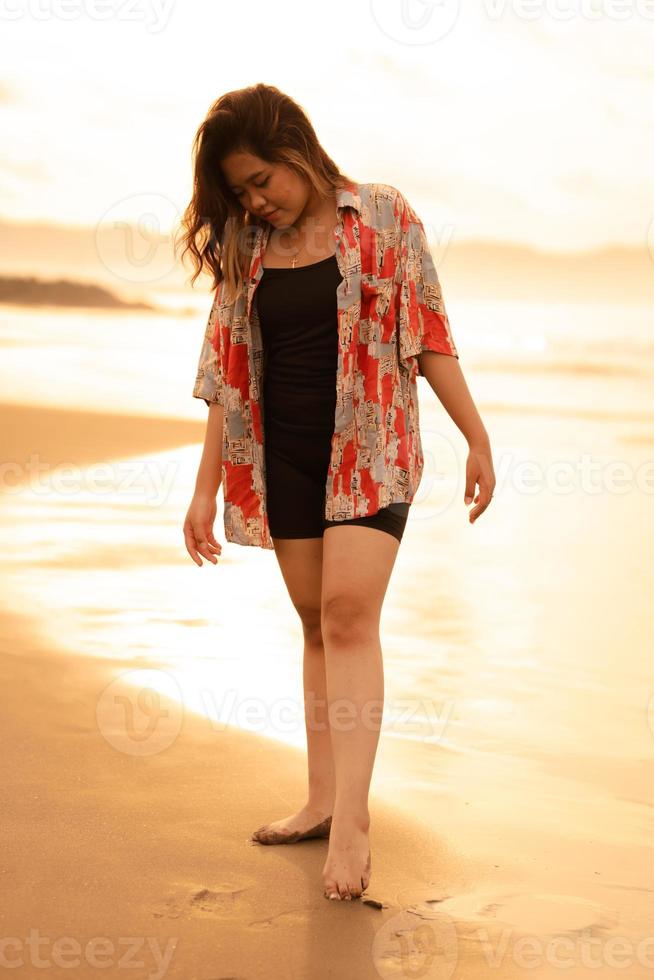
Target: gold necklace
(295, 258)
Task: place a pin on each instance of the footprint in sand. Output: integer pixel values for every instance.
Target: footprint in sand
(536, 914)
(433, 932)
(405, 946)
(220, 899)
(290, 917)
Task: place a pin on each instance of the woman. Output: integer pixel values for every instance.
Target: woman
(327, 307)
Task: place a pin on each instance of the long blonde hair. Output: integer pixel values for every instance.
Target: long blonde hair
(215, 229)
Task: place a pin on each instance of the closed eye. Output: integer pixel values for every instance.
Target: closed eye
(262, 184)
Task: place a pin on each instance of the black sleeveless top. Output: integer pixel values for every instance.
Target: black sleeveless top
(297, 311)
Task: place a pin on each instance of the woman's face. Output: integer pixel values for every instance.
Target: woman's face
(262, 188)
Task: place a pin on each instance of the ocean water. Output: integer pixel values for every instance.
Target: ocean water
(524, 639)
(554, 357)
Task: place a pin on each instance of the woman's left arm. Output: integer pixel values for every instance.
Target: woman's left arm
(445, 377)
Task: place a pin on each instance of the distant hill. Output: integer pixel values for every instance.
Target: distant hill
(29, 291)
(620, 275)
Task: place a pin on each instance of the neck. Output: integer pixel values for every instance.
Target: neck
(318, 211)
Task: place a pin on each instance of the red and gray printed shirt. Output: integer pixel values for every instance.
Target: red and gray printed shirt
(389, 309)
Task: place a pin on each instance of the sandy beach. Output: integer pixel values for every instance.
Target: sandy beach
(126, 818)
(148, 856)
(102, 843)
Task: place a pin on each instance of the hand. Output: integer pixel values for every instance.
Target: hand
(479, 470)
(198, 530)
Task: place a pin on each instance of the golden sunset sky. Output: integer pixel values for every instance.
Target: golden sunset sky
(516, 122)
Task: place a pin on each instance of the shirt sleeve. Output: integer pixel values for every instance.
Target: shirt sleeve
(423, 320)
(209, 378)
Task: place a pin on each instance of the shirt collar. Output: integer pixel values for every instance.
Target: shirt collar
(349, 197)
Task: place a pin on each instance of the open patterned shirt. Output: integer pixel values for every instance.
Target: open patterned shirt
(389, 309)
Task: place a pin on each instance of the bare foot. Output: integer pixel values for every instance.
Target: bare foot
(346, 873)
(305, 824)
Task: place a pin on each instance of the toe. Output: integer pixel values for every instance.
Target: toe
(365, 877)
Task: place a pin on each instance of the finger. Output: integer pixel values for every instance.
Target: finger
(212, 541)
(197, 547)
(189, 541)
(484, 497)
(202, 544)
(469, 491)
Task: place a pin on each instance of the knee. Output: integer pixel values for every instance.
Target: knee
(348, 620)
(311, 626)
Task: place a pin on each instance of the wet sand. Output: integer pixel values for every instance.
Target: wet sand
(62, 436)
(102, 841)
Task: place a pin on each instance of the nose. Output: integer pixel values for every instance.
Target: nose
(258, 204)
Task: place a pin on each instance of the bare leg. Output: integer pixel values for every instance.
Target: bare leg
(357, 563)
(300, 561)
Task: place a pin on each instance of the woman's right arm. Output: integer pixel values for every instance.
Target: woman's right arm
(198, 525)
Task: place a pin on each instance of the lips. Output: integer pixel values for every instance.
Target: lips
(274, 211)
